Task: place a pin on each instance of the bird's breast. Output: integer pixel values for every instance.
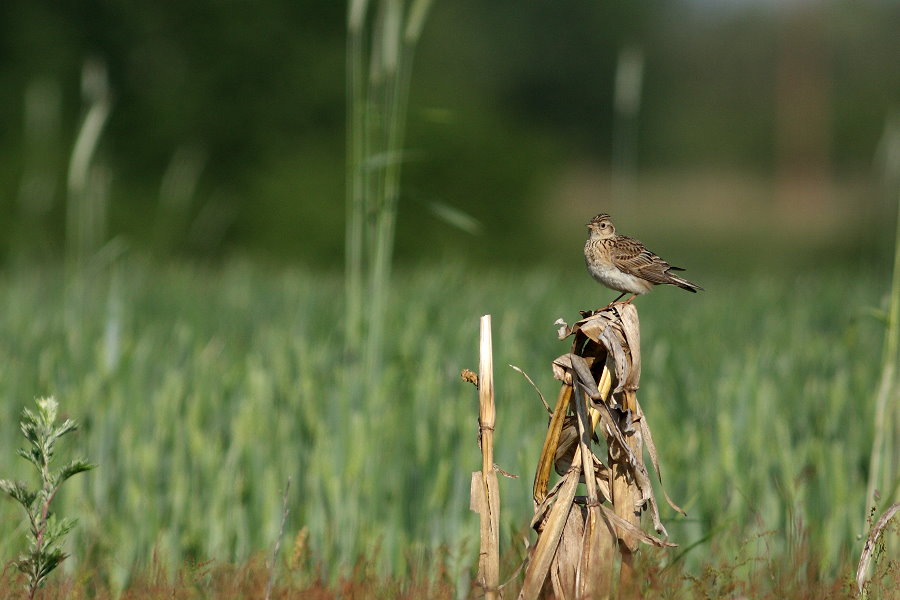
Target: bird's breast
(615, 279)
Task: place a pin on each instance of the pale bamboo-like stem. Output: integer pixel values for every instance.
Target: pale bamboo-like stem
(487, 412)
(489, 562)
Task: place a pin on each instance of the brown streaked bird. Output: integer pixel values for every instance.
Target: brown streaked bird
(624, 264)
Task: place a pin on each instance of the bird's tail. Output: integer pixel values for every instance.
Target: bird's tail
(684, 283)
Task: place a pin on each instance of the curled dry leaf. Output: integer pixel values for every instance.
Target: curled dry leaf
(563, 332)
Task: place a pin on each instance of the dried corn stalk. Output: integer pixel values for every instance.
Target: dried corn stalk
(578, 537)
(484, 491)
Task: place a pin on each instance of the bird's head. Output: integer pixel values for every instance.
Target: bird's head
(601, 227)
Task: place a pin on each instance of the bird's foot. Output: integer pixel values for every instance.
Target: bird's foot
(618, 301)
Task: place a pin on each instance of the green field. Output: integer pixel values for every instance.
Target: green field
(202, 390)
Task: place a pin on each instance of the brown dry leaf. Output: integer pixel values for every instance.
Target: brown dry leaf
(631, 330)
(654, 460)
(637, 468)
(602, 329)
(565, 449)
(542, 510)
(547, 543)
(561, 366)
(637, 532)
(563, 570)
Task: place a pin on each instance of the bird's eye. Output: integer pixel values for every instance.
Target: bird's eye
(602, 225)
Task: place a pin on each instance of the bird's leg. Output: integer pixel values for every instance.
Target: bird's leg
(612, 303)
(630, 299)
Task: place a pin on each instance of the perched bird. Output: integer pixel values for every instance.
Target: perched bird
(624, 264)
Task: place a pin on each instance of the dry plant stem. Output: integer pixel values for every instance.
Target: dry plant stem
(574, 556)
(866, 557)
(485, 491)
(551, 441)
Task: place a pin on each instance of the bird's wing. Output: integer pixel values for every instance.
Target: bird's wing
(632, 257)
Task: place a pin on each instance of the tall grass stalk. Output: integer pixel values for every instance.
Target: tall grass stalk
(385, 36)
(177, 195)
(883, 466)
(627, 105)
(87, 202)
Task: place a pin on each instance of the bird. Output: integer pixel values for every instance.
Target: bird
(624, 264)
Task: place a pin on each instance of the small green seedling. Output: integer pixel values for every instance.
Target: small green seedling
(46, 532)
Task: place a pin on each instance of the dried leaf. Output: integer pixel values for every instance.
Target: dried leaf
(624, 527)
(654, 460)
(564, 331)
(539, 567)
(631, 331)
(531, 381)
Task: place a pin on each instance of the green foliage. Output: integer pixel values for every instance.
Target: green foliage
(259, 90)
(218, 384)
(46, 531)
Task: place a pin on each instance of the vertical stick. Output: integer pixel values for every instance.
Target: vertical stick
(486, 488)
(486, 395)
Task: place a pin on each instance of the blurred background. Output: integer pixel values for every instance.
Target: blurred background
(189, 158)
(735, 122)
